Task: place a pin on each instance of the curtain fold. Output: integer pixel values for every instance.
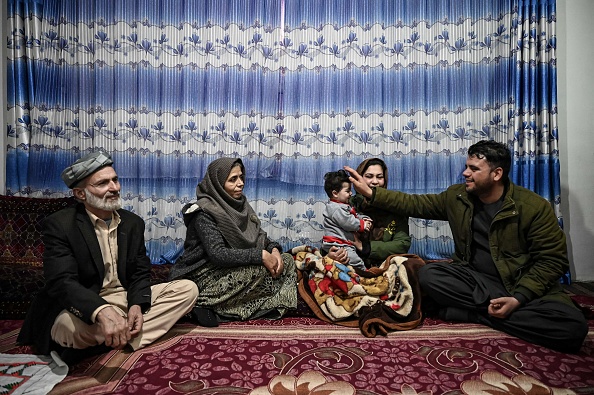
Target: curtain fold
(294, 87)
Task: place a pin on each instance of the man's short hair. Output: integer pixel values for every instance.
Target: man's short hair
(334, 180)
(496, 154)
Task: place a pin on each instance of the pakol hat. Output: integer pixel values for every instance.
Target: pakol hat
(84, 167)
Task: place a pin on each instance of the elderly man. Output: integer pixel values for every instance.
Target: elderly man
(98, 294)
(509, 252)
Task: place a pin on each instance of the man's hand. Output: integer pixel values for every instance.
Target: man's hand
(503, 307)
(113, 327)
(135, 320)
(339, 254)
(358, 182)
(271, 263)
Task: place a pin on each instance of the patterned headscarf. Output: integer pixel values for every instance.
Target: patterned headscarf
(235, 218)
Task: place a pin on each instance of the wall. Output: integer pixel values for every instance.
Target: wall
(575, 56)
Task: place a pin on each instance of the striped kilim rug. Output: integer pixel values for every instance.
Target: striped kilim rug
(306, 356)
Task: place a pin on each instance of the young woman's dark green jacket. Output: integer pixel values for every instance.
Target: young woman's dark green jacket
(390, 234)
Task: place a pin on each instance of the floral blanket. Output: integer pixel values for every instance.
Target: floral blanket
(378, 300)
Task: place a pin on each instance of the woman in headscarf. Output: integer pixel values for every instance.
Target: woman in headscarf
(241, 274)
(389, 234)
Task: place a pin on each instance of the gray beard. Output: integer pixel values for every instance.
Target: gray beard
(102, 203)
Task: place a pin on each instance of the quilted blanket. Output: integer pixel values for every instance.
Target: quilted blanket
(378, 300)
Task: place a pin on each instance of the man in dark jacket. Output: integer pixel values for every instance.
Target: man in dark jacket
(510, 252)
(98, 294)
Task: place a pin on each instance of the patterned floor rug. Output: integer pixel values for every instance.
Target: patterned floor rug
(306, 356)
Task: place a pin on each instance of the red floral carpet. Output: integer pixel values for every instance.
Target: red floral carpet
(306, 356)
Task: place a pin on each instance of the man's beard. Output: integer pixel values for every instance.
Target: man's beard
(479, 189)
(103, 203)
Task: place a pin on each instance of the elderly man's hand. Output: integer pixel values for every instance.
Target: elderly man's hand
(135, 320)
(113, 327)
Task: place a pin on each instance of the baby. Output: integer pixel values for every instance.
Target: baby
(341, 220)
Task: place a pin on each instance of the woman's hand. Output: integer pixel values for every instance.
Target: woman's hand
(339, 254)
(357, 242)
(281, 266)
(272, 263)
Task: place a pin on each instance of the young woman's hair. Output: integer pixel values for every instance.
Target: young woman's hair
(333, 181)
(373, 162)
(496, 154)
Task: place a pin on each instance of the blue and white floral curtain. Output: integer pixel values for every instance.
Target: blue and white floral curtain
(294, 87)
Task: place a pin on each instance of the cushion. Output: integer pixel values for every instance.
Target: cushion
(21, 250)
(18, 287)
(20, 228)
(160, 273)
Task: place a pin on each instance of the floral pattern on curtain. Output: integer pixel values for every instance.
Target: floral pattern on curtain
(294, 87)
